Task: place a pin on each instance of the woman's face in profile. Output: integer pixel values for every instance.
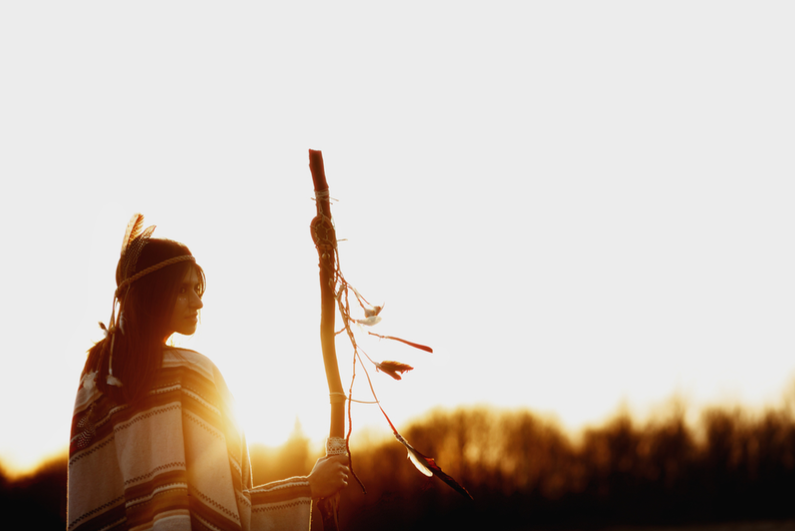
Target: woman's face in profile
(185, 316)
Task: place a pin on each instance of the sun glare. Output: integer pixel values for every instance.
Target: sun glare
(19, 463)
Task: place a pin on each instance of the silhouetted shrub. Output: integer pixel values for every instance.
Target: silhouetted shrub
(39, 499)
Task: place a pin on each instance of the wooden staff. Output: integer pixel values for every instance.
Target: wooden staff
(325, 239)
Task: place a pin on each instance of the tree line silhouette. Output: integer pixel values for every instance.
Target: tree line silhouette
(525, 472)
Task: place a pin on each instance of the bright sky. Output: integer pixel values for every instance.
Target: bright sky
(577, 204)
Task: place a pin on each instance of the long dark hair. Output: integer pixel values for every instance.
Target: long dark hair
(147, 305)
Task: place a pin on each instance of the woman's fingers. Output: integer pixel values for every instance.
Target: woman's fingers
(344, 471)
(329, 475)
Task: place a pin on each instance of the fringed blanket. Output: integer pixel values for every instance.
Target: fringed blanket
(176, 461)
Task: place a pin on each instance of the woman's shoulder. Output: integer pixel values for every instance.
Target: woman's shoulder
(192, 364)
(182, 357)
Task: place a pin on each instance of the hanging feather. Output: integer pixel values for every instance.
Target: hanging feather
(370, 321)
(416, 458)
(392, 368)
(409, 343)
(372, 312)
(428, 467)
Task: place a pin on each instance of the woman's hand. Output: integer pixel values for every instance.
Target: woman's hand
(329, 475)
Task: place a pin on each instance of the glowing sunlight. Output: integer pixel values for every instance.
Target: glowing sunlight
(575, 209)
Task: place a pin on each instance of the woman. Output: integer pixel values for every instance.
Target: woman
(154, 442)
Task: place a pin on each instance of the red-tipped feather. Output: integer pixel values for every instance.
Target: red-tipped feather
(392, 368)
(428, 466)
(409, 343)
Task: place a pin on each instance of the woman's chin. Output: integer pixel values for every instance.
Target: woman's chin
(187, 331)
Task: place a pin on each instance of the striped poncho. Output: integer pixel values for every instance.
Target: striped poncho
(175, 461)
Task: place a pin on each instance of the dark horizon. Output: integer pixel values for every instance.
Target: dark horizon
(733, 466)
